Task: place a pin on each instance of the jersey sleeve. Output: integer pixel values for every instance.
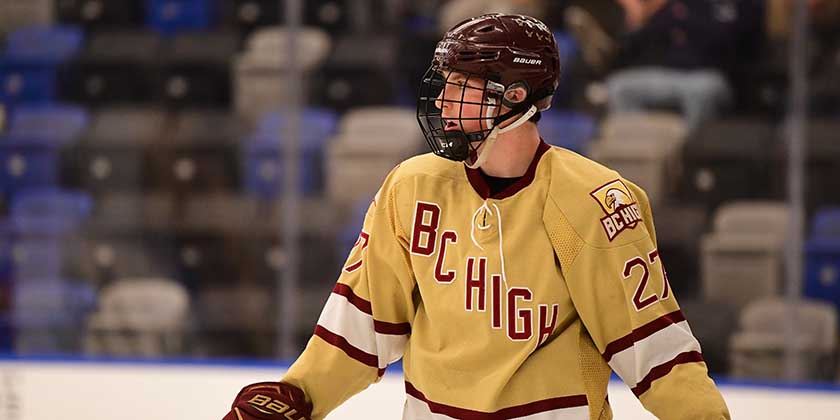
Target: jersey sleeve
(620, 290)
(366, 321)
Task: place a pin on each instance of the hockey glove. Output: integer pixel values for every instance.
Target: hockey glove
(270, 401)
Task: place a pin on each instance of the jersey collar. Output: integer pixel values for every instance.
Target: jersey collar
(480, 185)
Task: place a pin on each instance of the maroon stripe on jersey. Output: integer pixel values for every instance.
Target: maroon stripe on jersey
(641, 333)
(390, 328)
(664, 369)
(382, 327)
(346, 347)
(480, 185)
(505, 413)
(352, 297)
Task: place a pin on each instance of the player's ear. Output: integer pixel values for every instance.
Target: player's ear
(515, 93)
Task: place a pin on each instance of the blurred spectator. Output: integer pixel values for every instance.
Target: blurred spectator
(596, 24)
(823, 49)
(826, 27)
(825, 17)
(674, 55)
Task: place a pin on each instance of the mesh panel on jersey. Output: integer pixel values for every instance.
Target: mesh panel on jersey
(596, 376)
(566, 242)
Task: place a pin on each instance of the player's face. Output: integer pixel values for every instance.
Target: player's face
(463, 103)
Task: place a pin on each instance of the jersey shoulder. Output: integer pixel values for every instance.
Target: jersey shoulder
(425, 165)
(603, 208)
(421, 171)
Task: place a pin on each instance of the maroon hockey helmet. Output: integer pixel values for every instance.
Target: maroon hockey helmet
(505, 52)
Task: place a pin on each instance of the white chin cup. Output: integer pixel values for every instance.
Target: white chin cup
(491, 109)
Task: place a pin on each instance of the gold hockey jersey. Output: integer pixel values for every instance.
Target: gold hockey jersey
(516, 305)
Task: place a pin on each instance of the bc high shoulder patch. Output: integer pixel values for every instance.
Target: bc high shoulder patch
(619, 205)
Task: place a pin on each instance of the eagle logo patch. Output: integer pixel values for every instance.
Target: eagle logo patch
(619, 205)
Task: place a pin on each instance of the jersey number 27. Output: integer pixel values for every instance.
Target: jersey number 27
(639, 302)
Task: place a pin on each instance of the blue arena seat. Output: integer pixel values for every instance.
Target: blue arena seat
(29, 151)
(28, 63)
(36, 256)
(6, 333)
(62, 122)
(26, 84)
(827, 223)
(49, 313)
(27, 163)
(6, 252)
(570, 82)
(822, 257)
(43, 223)
(41, 220)
(172, 16)
(45, 44)
(6, 283)
(566, 45)
(570, 130)
(49, 211)
(263, 156)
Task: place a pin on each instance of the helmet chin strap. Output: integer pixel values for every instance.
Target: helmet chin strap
(491, 138)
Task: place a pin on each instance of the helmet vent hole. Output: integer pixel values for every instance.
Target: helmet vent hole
(485, 29)
(472, 55)
(467, 56)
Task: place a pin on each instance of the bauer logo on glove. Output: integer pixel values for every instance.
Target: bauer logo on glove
(270, 401)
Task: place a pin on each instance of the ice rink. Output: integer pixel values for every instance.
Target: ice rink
(50, 389)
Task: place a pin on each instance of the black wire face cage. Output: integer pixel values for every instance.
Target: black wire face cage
(440, 86)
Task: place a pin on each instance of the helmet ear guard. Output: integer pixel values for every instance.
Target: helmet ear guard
(508, 98)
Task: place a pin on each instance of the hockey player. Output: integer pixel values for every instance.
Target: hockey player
(510, 276)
